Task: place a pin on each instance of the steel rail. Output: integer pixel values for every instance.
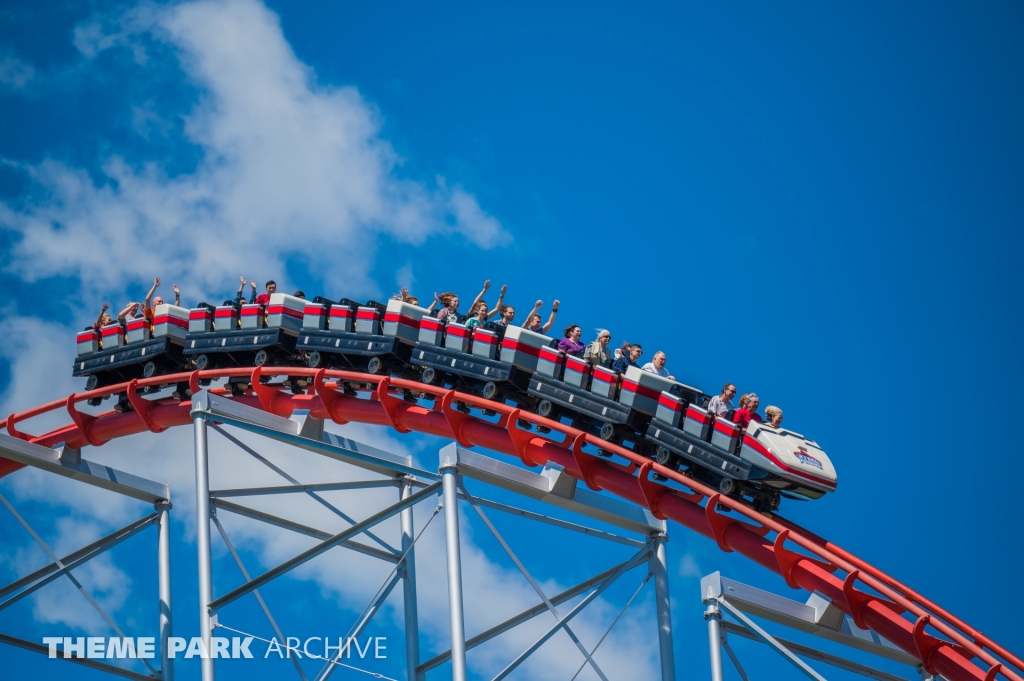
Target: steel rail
(376, 404)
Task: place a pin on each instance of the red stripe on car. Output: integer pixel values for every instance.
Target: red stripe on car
(748, 441)
(641, 390)
(670, 402)
(399, 318)
(168, 319)
(281, 309)
(516, 346)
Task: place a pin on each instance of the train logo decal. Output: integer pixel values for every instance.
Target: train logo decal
(804, 457)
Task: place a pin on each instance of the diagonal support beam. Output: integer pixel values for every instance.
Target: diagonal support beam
(377, 603)
(769, 639)
(319, 499)
(256, 592)
(533, 583)
(83, 661)
(79, 557)
(641, 556)
(293, 489)
(524, 616)
(337, 539)
(71, 577)
(351, 544)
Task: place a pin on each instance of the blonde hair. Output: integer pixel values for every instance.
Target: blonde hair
(771, 410)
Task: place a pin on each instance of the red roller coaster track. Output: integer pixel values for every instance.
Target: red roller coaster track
(894, 611)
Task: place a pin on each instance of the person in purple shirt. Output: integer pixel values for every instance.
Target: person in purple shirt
(571, 345)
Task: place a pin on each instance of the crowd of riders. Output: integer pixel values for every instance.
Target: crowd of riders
(445, 307)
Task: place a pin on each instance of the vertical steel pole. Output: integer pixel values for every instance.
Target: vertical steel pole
(451, 536)
(412, 627)
(659, 568)
(712, 614)
(163, 553)
(203, 540)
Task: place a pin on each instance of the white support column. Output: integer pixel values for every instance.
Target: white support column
(659, 568)
(412, 627)
(451, 535)
(712, 614)
(164, 580)
(203, 542)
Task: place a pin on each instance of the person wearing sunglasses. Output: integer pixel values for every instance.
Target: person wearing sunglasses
(626, 361)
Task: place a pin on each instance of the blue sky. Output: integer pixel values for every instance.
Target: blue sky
(821, 204)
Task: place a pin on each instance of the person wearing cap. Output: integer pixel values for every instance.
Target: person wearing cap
(628, 359)
(721, 405)
(657, 366)
(748, 412)
(774, 415)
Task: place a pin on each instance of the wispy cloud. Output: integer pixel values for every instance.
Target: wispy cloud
(15, 73)
(289, 168)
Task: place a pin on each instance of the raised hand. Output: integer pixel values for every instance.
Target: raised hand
(487, 284)
(538, 304)
(504, 287)
(106, 306)
(555, 305)
(252, 282)
(156, 282)
(174, 287)
(241, 280)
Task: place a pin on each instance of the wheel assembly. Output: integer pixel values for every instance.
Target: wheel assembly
(313, 360)
(92, 382)
(261, 358)
(545, 408)
(727, 485)
(375, 365)
(428, 375)
(663, 456)
(202, 361)
(490, 390)
(607, 431)
(148, 370)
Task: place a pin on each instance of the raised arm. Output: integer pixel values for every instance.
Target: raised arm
(480, 296)
(177, 295)
(129, 309)
(103, 311)
(252, 298)
(551, 317)
(149, 296)
(433, 305)
(497, 306)
(534, 311)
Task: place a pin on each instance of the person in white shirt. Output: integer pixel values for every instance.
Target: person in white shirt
(657, 366)
(721, 405)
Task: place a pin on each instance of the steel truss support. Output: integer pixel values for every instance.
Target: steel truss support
(555, 488)
(818, 616)
(68, 462)
(408, 573)
(451, 539)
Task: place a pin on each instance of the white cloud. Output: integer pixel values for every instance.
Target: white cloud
(289, 168)
(15, 73)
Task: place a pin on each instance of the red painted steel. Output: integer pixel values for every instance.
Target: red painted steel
(745, 532)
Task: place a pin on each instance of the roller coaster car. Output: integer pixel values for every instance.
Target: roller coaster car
(762, 463)
(244, 335)
(491, 360)
(117, 353)
(597, 401)
(370, 337)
